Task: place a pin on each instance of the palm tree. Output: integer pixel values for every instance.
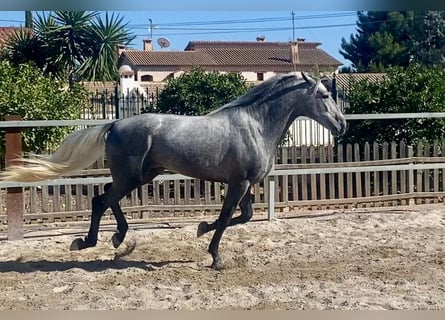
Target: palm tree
(68, 39)
(23, 46)
(104, 36)
(73, 45)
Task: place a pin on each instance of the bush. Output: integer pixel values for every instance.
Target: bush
(412, 90)
(25, 91)
(199, 92)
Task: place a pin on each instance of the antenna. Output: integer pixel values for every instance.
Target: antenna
(163, 42)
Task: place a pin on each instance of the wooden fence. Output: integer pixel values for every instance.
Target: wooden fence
(322, 177)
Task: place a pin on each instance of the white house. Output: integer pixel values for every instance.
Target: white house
(255, 60)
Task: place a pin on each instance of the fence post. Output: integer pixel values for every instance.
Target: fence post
(104, 98)
(411, 177)
(15, 203)
(271, 205)
(116, 101)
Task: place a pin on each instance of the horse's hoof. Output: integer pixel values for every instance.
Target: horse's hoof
(116, 241)
(203, 227)
(77, 244)
(217, 265)
(125, 249)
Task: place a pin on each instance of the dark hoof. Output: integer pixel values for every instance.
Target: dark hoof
(218, 265)
(78, 244)
(116, 239)
(203, 227)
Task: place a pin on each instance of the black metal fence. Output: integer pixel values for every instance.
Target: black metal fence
(114, 104)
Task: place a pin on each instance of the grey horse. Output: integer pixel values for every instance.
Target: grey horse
(234, 144)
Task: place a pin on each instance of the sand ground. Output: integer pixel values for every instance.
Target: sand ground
(380, 258)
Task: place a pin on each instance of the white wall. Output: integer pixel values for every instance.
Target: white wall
(159, 76)
(252, 76)
(127, 83)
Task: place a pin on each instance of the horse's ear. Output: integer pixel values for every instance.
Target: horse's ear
(307, 78)
(328, 83)
(315, 83)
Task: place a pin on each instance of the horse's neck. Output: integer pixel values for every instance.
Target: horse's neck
(275, 118)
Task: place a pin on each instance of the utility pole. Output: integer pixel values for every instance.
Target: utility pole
(28, 19)
(293, 26)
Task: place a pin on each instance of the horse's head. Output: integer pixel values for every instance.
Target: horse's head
(321, 107)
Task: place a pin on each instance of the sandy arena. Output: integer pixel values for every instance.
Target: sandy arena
(381, 258)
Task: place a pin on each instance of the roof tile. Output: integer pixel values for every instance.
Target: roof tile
(168, 58)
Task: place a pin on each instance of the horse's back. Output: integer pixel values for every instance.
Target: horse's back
(210, 148)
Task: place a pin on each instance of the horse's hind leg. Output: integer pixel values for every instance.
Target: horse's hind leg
(122, 225)
(100, 203)
(246, 214)
(99, 208)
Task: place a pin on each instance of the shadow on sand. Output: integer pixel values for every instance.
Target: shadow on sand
(90, 266)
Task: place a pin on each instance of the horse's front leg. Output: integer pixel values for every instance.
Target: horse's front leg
(246, 214)
(234, 194)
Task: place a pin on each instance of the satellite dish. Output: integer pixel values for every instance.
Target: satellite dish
(163, 42)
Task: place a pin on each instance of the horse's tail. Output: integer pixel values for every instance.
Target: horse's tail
(76, 152)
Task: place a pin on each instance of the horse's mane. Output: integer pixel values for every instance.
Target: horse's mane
(262, 91)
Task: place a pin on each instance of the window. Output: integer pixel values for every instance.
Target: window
(260, 76)
(147, 78)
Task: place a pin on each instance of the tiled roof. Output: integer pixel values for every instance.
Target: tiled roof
(197, 45)
(168, 58)
(268, 57)
(344, 79)
(258, 56)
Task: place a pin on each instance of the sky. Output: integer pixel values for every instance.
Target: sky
(180, 27)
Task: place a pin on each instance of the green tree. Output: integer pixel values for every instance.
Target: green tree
(428, 39)
(72, 45)
(26, 91)
(403, 90)
(199, 92)
(395, 38)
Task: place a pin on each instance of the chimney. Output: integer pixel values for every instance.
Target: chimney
(148, 46)
(120, 49)
(294, 55)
